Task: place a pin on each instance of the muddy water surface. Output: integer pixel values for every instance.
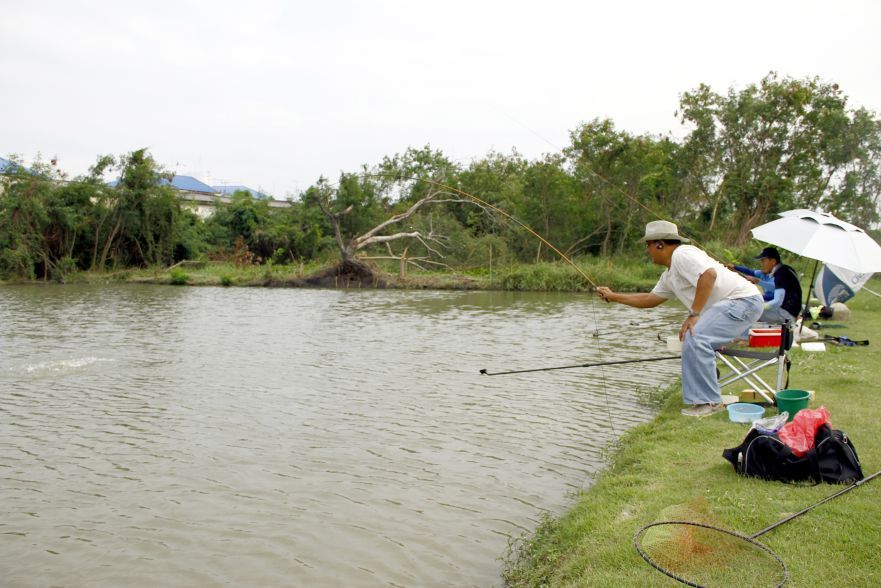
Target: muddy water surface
(162, 436)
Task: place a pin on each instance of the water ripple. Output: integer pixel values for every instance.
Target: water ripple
(186, 436)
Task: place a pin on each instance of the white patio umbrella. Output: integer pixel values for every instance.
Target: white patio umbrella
(821, 236)
(824, 238)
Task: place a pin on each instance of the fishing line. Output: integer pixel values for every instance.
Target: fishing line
(563, 256)
(639, 325)
(505, 214)
(516, 221)
(567, 260)
(530, 230)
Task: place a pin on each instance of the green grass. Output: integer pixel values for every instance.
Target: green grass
(674, 460)
(207, 274)
(624, 274)
(179, 277)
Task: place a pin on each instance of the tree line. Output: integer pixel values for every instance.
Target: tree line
(746, 154)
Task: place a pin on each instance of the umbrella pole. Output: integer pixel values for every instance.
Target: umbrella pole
(805, 312)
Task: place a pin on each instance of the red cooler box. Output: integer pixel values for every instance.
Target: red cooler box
(764, 337)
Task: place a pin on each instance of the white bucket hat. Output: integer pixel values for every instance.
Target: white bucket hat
(661, 230)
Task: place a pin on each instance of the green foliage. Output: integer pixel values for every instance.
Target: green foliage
(625, 180)
(140, 222)
(282, 235)
(192, 238)
(748, 154)
(543, 277)
(781, 144)
(402, 178)
(674, 460)
(16, 262)
(24, 219)
(63, 268)
(178, 276)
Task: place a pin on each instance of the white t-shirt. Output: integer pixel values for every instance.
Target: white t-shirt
(686, 266)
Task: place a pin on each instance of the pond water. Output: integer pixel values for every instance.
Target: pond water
(181, 436)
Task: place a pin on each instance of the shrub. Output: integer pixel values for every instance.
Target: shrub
(543, 277)
(179, 277)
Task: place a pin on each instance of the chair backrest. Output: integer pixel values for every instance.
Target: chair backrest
(787, 338)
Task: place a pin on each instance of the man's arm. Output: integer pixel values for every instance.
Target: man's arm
(636, 300)
(777, 301)
(704, 287)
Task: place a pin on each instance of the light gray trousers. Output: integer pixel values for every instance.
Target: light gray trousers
(719, 324)
(773, 316)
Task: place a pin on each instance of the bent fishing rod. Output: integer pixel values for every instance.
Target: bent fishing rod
(567, 260)
(484, 372)
(515, 220)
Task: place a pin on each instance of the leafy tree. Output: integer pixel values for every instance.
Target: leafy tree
(283, 235)
(404, 176)
(552, 205)
(242, 217)
(498, 180)
(24, 218)
(625, 181)
(141, 221)
(306, 230)
(69, 229)
(780, 144)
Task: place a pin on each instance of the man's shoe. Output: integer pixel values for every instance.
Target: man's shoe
(702, 410)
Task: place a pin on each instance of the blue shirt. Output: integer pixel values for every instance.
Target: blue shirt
(766, 282)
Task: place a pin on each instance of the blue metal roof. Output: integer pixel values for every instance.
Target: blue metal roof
(184, 183)
(188, 184)
(7, 166)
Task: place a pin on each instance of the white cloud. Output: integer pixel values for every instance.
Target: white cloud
(274, 94)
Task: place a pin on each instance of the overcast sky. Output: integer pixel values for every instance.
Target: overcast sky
(273, 94)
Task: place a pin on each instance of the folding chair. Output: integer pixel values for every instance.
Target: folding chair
(748, 370)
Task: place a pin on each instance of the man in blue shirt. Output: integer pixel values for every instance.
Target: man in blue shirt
(758, 277)
(783, 300)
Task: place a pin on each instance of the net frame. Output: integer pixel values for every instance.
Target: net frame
(637, 542)
(750, 539)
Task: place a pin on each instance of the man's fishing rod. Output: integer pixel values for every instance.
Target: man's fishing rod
(583, 365)
(638, 324)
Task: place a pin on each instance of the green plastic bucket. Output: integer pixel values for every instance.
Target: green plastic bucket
(792, 401)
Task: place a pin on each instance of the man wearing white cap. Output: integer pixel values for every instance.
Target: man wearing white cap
(721, 305)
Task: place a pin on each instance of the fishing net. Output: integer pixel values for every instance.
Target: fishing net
(688, 545)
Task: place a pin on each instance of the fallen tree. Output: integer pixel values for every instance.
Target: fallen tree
(353, 269)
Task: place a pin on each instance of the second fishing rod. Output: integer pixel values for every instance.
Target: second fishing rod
(485, 372)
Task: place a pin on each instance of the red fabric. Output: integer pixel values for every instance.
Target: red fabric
(799, 434)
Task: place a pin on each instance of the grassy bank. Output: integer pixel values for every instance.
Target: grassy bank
(624, 273)
(627, 271)
(674, 460)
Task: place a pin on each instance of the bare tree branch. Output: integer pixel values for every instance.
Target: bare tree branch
(360, 240)
(334, 219)
(373, 236)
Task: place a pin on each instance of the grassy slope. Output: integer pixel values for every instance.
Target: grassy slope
(627, 273)
(673, 460)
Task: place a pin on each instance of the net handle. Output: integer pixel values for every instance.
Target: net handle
(815, 505)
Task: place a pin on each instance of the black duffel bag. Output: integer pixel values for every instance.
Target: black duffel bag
(832, 459)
